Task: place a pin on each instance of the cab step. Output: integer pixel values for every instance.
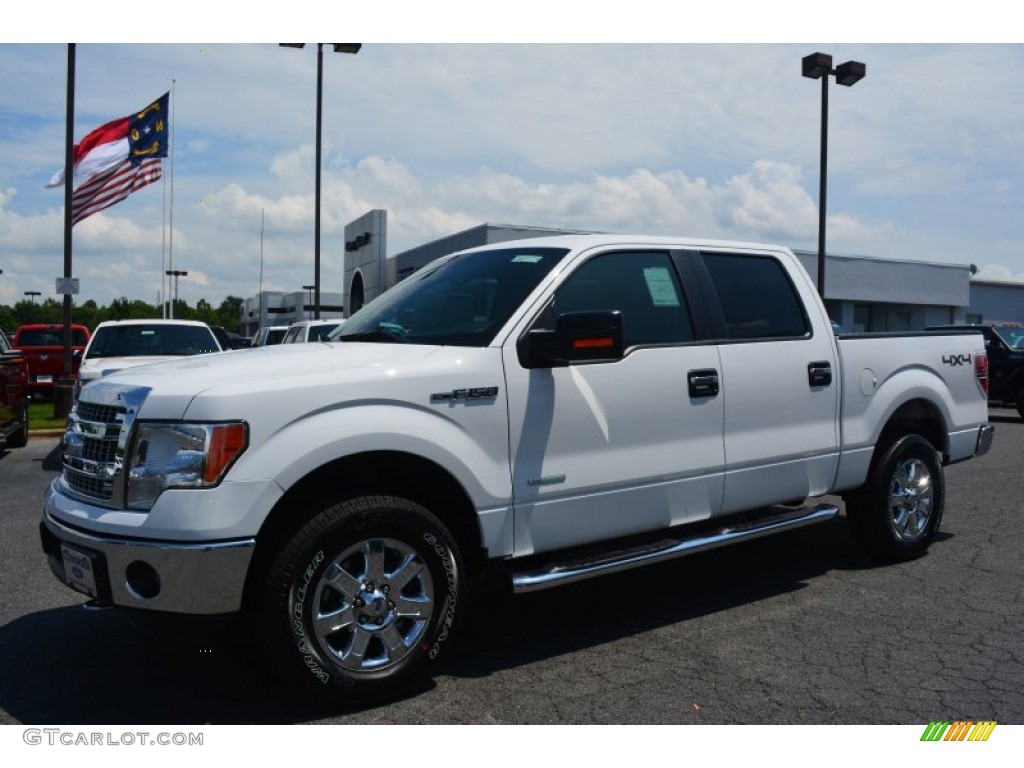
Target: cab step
(775, 520)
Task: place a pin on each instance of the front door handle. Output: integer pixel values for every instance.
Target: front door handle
(819, 374)
(703, 382)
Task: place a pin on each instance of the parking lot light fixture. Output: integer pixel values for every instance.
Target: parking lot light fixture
(352, 48)
(818, 66)
(175, 273)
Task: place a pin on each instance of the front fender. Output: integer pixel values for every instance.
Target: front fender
(470, 441)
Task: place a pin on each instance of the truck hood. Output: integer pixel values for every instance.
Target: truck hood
(281, 377)
(104, 366)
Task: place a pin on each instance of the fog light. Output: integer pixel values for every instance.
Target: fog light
(143, 580)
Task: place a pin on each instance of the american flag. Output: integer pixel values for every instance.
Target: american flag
(112, 186)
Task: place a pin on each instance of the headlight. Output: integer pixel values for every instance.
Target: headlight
(181, 456)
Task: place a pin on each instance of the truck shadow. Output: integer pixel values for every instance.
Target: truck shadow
(75, 666)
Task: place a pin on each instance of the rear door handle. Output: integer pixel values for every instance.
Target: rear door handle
(819, 374)
(703, 382)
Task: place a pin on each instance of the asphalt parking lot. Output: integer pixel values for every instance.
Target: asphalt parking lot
(798, 628)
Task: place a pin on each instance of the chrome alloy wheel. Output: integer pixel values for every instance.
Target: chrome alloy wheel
(910, 500)
(372, 605)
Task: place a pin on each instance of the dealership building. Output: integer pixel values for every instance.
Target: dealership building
(862, 293)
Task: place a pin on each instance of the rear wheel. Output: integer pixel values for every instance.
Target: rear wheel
(360, 602)
(897, 513)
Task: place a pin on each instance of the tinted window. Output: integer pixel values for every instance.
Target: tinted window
(50, 337)
(642, 285)
(758, 299)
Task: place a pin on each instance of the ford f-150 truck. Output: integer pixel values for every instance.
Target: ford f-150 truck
(546, 410)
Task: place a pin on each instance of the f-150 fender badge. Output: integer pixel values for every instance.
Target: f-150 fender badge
(459, 395)
(955, 360)
(546, 480)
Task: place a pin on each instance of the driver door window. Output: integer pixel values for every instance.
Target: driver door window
(642, 285)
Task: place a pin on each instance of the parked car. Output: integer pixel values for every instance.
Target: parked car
(269, 334)
(13, 396)
(311, 330)
(1005, 347)
(229, 340)
(119, 344)
(43, 347)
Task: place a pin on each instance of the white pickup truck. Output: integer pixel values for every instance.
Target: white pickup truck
(548, 410)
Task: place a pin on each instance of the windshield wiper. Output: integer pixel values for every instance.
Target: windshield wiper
(377, 335)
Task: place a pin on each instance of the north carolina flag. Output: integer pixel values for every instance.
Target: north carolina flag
(117, 159)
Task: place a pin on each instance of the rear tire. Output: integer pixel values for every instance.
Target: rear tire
(359, 603)
(897, 513)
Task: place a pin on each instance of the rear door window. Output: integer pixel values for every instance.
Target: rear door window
(757, 297)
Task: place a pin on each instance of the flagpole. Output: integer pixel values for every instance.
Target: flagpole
(161, 296)
(62, 394)
(170, 240)
(259, 323)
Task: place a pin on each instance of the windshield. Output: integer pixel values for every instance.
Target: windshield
(151, 340)
(462, 301)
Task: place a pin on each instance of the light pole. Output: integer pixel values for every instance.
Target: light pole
(338, 48)
(32, 296)
(818, 66)
(308, 289)
(175, 273)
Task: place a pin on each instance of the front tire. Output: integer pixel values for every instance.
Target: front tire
(20, 438)
(360, 602)
(896, 514)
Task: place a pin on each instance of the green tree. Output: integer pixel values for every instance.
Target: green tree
(130, 309)
(229, 313)
(87, 314)
(206, 312)
(9, 319)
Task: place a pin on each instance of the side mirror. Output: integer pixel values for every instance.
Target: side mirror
(578, 337)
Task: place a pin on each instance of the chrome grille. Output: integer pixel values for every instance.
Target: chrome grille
(106, 414)
(96, 440)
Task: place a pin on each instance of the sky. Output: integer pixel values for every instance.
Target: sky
(527, 117)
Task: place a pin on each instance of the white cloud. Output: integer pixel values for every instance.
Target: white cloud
(716, 141)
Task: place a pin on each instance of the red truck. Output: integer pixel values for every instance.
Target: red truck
(13, 396)
(43, 348)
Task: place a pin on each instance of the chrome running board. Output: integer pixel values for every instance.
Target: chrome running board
(578, 570)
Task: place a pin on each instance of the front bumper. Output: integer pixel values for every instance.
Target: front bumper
(188, 578)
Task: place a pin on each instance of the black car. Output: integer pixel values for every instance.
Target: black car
(1005, 347)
